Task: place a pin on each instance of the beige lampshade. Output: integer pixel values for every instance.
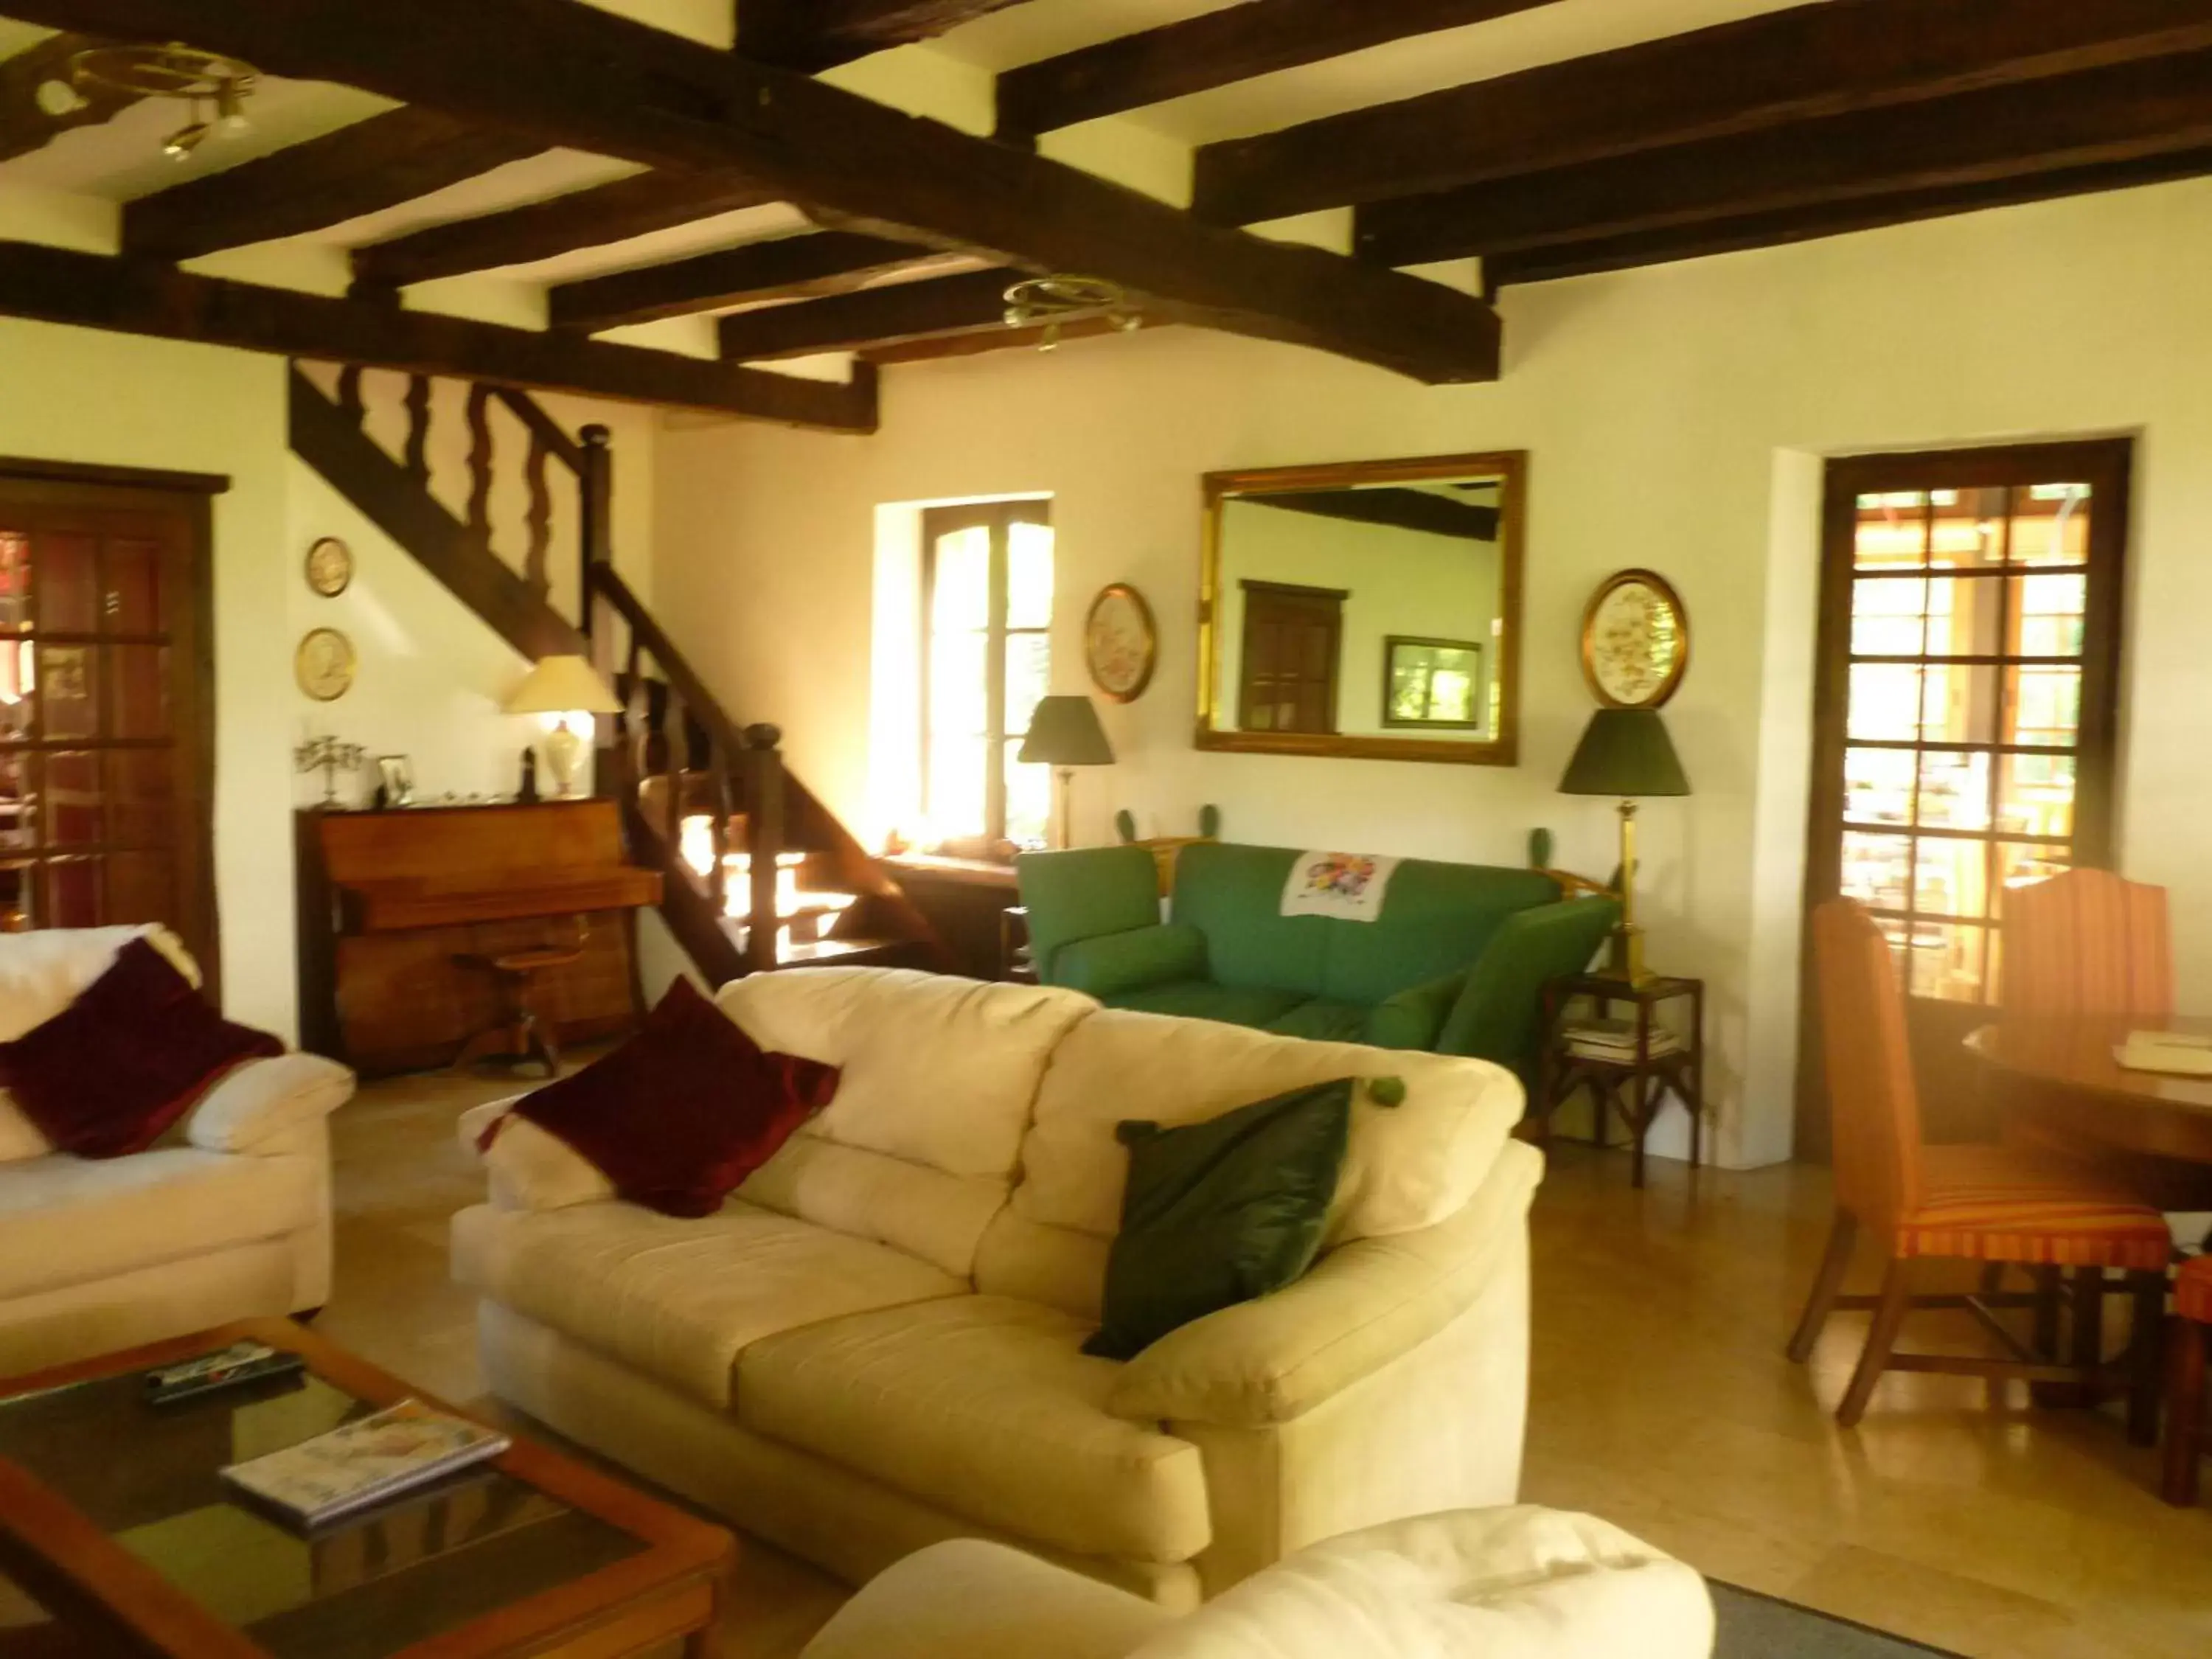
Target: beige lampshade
(563, 685)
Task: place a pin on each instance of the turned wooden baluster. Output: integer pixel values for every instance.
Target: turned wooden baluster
(718, 885)
(417, 457)
(480, 460)
(763, 842)
(349, 398)
(637, 709)
(671, 765)
(540, 518)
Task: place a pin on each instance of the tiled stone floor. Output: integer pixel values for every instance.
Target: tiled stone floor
(1661, 1400)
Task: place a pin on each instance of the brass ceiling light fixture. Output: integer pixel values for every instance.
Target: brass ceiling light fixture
(1054, 300)
(213, 86)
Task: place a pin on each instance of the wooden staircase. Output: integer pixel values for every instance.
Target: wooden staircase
(704, 800)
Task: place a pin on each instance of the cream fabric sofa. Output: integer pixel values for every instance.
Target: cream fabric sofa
(875, 1345)
(1502, 1583)
(229, 1217)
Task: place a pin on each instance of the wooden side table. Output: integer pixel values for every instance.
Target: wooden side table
(1634, 1087)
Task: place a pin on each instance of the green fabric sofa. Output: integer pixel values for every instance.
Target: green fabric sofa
(1455, 964)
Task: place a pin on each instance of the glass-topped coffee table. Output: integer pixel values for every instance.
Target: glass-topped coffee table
(114, 1521)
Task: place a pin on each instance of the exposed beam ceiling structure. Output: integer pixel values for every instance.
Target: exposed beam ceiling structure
(135, 296)
(788, 268)
(1807, 119)
(1196, 54)
(820, 34)
(1758, 74)
(572, 76)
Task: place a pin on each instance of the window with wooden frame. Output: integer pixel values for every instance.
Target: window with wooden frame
(1968, 692)
(106, 701)
(985, 664)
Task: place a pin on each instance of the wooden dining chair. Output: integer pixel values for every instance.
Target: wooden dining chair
(2087, 942)
(2184, 1391)
(1989, 1204)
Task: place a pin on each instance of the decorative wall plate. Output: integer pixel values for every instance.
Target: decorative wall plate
(330, 566)
(1636, 640)
(1120, 642)
(324, 665)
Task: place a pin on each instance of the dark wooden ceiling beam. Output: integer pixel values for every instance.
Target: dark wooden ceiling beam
(569, 74)
(1420, 510)
(1788, 225)
(1215, 49)
(25, 123)
(2129, 112)
(1757, 73)
(891, 315)
(820, 34)
(139, 296)
(937, 348)
(394, 157)
(790, 267)
(592, 217)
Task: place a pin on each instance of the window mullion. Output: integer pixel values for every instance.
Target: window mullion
(994, 690)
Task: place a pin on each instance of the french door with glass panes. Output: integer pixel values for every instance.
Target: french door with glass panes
(1968, 679)
(105, 739)
(987, 662)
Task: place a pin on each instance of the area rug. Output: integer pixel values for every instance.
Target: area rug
(1755, 1627)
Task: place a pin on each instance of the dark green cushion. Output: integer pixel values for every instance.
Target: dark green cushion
(1437, 919)
(1234, 894)
(1413, 1018)
(1221, 1211)
(1200, 998)
(1322, 1021)
(1495, 1018)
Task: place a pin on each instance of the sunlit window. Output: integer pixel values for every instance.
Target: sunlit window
(986, 663)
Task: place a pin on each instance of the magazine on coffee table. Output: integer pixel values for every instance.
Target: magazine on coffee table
(358, 1464)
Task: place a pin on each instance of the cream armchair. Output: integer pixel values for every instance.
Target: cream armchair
(229, 1216)
(1502, 1583)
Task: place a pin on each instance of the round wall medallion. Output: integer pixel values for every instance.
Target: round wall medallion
(330, 566)
(324, 665)
(1120, 642)
(1636, 640)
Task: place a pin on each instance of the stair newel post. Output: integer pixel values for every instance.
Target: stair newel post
(763, 842)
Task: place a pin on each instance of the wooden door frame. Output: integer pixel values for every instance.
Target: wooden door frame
(2107, 464)
(192, 494)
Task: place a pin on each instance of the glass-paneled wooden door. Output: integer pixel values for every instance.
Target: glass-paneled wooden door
(1964, 734)
(106, 709)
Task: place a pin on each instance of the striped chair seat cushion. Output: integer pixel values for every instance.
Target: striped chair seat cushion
(2193, 1292)
(1983, 1203)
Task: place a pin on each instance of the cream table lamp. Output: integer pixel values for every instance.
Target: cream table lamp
(563, 686)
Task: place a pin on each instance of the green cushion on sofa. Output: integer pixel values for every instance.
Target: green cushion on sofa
(1221, 1211)
(1082, 894)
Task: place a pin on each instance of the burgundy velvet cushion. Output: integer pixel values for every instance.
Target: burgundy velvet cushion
(134, 1052)
(681, 1114)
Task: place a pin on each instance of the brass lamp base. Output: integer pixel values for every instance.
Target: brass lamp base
(1625, 961)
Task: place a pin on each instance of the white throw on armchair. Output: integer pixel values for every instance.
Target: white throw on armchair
(229, 1217)
(1498, 1583)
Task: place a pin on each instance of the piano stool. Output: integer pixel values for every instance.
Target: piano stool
(520, 1033)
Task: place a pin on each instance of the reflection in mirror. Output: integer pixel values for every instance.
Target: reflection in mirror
(1367, 608)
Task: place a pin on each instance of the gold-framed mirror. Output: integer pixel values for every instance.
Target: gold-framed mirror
(1370, 610)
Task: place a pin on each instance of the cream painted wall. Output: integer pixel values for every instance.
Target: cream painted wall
(1674, 417)
(1397, 582)
(75, 395)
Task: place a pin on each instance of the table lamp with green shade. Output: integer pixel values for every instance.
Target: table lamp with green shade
(1625, 753)
(1064, 734)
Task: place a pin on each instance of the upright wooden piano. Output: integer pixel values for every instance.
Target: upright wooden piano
(389, 900)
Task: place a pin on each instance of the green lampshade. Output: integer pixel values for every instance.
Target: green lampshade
(1066, 732)
(1625, 752)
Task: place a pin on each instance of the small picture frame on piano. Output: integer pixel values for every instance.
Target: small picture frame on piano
(395, 779)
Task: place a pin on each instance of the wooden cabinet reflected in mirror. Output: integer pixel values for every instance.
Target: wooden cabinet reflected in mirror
(1370, 610)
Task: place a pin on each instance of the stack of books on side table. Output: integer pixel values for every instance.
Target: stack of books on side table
(1614, 1040)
